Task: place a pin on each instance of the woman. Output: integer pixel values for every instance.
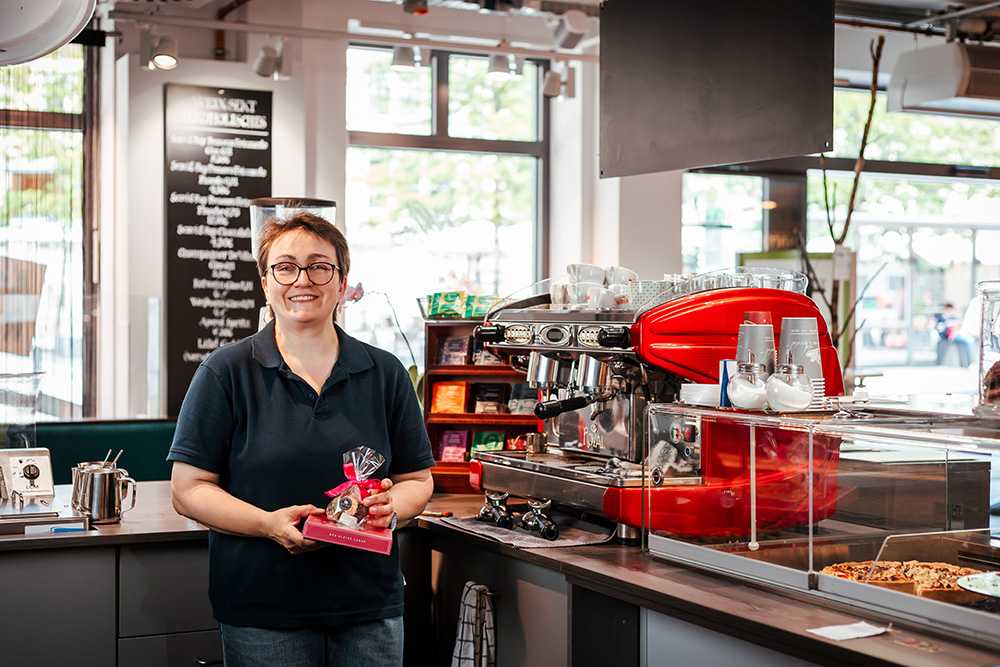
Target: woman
(261, 435)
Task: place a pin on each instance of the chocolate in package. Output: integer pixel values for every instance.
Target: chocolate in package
(346, 516)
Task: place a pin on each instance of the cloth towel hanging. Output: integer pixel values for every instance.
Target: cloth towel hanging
(475, 641)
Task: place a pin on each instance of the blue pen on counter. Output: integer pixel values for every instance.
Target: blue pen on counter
(66, 530)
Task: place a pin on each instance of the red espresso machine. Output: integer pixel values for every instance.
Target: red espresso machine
(598, 370)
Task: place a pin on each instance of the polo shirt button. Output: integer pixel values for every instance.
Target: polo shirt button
(312, 396)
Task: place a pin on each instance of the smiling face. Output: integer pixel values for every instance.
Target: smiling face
(302, 302)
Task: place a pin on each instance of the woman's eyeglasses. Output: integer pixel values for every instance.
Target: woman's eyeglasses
(319, 273)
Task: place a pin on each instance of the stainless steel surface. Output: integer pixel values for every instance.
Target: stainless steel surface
(569, 491)
(592, 375)
(543, 371)
(603, 429)
(102, 491)
(534, 443)
(79, 480)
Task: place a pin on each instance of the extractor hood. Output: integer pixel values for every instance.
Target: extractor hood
(955, 78)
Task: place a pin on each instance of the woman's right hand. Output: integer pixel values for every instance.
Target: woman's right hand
(283, 528)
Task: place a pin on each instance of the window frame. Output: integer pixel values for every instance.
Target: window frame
(439, 140)
(86, 122)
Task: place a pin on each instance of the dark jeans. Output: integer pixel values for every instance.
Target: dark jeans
(371, 643)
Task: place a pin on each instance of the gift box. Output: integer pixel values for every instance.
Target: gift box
(369, 538)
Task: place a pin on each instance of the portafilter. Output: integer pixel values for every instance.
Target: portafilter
(543, 371)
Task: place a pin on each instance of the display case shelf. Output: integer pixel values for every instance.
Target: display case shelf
(477, 419)
(453, 477)
(474, 370)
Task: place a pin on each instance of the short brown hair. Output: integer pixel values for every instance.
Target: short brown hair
(308, 222)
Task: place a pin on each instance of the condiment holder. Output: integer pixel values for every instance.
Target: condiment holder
(788, 389)
(746, 388)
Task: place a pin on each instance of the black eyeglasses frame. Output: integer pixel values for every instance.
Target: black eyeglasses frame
(301, 269)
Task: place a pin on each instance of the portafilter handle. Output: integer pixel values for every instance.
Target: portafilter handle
(495, 510)
(538, 519)
(547, 409)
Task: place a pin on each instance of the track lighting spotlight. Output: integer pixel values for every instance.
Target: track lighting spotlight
(165, 52)
(403, 58)
(499, 67)
(267, 59)
(270, 61)
(552, 85)
(572, 27)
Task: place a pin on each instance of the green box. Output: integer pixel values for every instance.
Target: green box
(487, 441)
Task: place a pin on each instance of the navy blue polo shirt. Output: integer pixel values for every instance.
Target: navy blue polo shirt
(274, 443)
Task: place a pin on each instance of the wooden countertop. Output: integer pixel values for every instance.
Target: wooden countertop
(152, 520)
(764, 616)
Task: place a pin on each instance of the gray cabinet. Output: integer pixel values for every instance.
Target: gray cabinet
(58, 607)
(165, 618)
(182, 650)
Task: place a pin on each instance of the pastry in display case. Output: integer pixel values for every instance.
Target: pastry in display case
(886, 510)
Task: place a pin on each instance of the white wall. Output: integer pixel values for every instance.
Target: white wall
(133, 238)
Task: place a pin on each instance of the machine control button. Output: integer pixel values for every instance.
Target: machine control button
(589, 336)
(690, 433)
(518, 334)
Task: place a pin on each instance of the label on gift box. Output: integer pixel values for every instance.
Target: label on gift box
(369, 538)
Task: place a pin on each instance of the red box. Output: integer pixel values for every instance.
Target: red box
(369, 538)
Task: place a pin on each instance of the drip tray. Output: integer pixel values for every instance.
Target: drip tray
(572, 466)
(40, 515)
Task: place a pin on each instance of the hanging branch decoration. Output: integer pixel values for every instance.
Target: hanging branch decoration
(832, 301)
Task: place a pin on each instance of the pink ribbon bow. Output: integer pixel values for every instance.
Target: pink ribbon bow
(352, 480)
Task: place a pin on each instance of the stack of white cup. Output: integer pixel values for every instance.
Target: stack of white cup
(593, 287)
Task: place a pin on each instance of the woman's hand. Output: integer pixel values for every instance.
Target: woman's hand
(282, 526)
(379, 504)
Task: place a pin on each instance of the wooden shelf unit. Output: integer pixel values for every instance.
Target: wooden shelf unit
(452, 477)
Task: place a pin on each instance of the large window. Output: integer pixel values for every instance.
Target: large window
(443, 189)
(922, 235)
(924, 228)
(42, 296)
(721, 216)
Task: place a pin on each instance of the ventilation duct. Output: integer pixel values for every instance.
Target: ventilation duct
(955, 78)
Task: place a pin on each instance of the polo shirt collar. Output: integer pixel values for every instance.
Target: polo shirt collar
(353, 357)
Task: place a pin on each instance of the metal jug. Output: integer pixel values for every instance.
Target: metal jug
(79, 480)
(103, 492)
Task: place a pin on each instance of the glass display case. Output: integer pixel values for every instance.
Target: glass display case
(885, 510)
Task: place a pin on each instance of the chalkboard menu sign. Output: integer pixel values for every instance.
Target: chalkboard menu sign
(217, 158)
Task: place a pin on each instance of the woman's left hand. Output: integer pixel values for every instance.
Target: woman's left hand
(379, 504)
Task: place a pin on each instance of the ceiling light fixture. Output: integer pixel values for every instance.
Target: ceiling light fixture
(572, 27)
(270, 61)
(267, 59)
(499, 67)
(553, 84)
(403, 58)
(165, 52)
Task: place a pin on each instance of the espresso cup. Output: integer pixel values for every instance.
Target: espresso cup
(578, 292)
(586, 273)
(559, 293)
(600, 297)
(619, 274)
(621, 293)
